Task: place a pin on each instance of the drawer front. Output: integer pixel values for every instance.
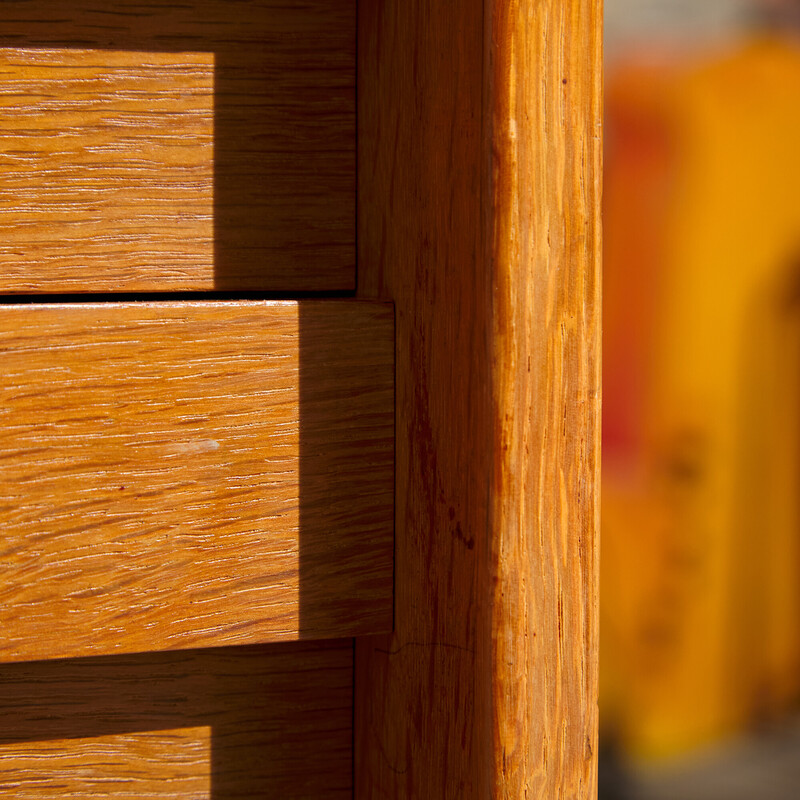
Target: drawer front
(193, 474)
(168, 147)
(271, 721)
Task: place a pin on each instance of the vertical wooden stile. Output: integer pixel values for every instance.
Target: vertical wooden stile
(479, 181)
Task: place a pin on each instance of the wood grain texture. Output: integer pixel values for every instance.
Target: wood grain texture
(479, 176)
(423, 694)
(176, 146)
(179, 475)
(546, 143)
(263, 721)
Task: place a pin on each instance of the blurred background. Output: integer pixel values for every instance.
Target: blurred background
(700, 559)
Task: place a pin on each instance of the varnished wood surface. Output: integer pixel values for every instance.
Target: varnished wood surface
(262, 721)
(423, 697)
(479, 151)
(178, 474)
(545, 249)
(172, 146)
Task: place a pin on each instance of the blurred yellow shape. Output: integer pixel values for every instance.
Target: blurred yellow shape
(700, 591)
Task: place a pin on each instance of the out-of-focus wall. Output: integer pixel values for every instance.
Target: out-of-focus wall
(634, 22)
(700, 562)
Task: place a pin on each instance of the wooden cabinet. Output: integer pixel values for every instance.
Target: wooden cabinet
(244, 436)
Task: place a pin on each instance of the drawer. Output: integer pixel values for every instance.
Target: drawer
(171, 147)
(191, 474)
(271, 721)
(187, 483)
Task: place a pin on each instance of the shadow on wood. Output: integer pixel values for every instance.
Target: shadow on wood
(262, 721)
(224, 159)
(200, 145)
